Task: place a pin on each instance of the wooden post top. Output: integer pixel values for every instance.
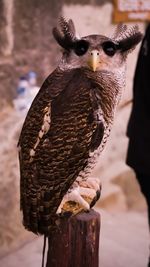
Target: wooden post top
(76, 241)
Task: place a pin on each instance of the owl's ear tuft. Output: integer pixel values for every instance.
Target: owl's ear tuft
(119, 31)
(127, 39)
(129, 43)
(65, 34)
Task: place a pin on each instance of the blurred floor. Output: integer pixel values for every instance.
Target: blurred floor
(124, 239)
(124, 242)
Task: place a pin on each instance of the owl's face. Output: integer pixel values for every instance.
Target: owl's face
(95, 52)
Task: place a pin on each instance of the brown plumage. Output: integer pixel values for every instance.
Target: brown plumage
(68, 124)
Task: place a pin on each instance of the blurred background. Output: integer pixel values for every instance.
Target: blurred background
(28, 54)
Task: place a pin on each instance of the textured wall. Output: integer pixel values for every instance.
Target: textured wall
(26, 40)
(26, 43)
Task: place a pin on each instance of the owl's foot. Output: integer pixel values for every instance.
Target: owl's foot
(90, 182)
(81, 197)
(71, 197)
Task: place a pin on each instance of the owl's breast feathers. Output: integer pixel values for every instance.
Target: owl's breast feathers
(59, 132)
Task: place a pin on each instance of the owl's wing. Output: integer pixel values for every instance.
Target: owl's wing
(51, 88)
(54, 146)
(97, 136)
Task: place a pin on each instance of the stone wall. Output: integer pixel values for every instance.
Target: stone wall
(26, 41)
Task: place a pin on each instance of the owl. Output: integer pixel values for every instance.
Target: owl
(68, 124)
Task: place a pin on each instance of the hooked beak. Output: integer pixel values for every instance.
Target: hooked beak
(94, 60)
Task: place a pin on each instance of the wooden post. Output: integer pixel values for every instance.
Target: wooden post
(76, 242)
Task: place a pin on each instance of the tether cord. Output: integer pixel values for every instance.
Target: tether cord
(44, 248)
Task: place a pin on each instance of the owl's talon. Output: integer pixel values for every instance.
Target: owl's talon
(95, 199)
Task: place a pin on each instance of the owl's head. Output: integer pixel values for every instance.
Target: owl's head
(95, 52)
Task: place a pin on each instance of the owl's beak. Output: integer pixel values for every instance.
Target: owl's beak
(94, 60)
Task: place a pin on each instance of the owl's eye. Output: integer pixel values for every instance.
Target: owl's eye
(109, 48)
(81, 47)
